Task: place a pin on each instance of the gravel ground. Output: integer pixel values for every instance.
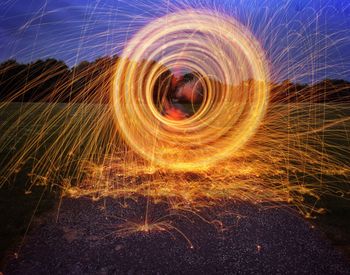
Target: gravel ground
(85, 240)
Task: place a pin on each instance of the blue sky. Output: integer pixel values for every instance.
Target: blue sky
(76, 30)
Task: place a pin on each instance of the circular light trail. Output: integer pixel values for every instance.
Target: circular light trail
(231, 69)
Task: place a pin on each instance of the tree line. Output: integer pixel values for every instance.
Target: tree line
(52, 80)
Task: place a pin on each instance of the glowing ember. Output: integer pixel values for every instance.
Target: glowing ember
(225, 55)
(187, 116)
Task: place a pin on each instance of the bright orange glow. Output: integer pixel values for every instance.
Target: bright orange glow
(127, 133)
(218, 48)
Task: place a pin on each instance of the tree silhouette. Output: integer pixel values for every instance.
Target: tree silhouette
(52, 80)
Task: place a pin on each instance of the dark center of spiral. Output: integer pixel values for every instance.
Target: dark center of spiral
(178, 94)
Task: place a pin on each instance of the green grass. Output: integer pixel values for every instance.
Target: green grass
(18, 208)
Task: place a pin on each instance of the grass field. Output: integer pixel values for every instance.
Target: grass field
(18, 207)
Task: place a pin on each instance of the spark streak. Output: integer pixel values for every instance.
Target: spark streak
(214, 46)
(123, 135)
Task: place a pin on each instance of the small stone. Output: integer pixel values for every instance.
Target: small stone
(93, 238)
(104, 270)
(118, 247)
(71, 235)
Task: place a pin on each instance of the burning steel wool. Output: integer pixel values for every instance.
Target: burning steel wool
(225, 56)
(188, 115)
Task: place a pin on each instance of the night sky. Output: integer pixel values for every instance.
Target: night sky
(76, 30)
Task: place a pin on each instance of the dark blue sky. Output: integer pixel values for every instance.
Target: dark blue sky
(305, 40)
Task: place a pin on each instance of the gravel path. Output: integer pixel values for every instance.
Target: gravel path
(259, 241)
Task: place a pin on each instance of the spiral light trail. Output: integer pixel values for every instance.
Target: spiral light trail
(196, 105)
(231, 68)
